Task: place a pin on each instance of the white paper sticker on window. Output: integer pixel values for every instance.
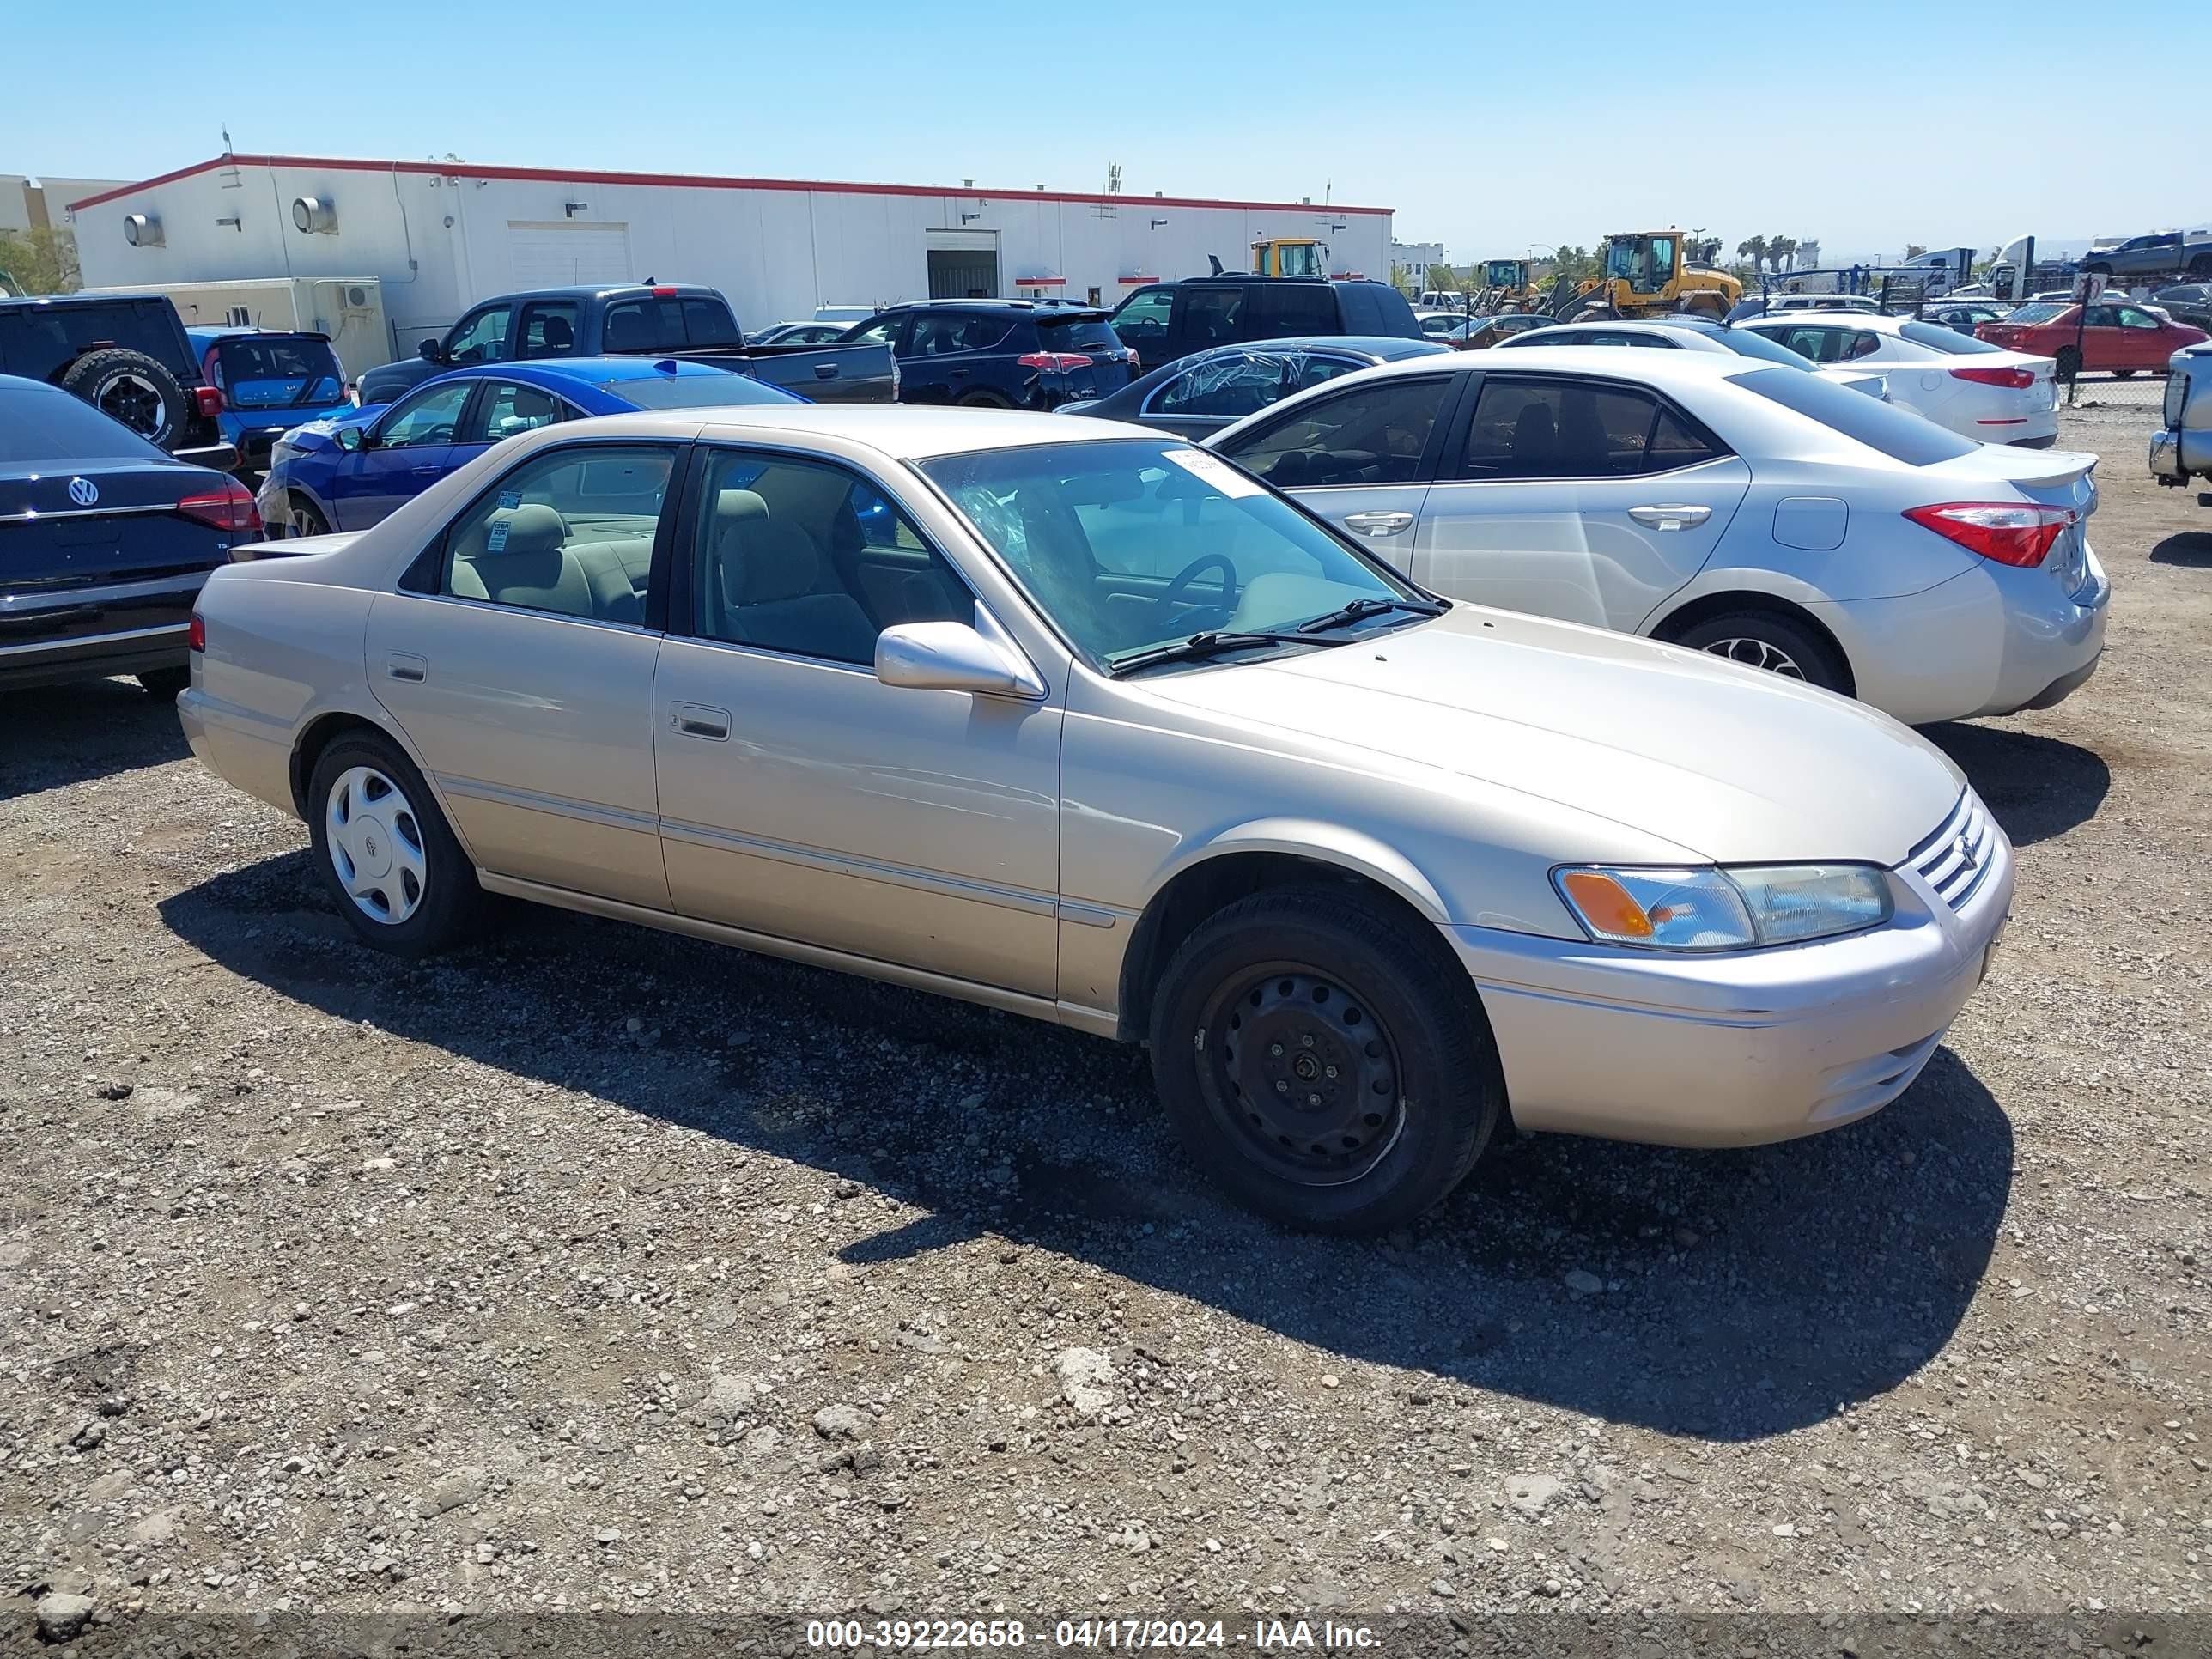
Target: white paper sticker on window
(496, 541)
(509, 500)
(1211, 470)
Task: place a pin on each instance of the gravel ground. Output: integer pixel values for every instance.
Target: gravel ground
(594, 1268)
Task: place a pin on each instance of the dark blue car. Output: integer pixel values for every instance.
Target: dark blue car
(347, 473)
(270, 380)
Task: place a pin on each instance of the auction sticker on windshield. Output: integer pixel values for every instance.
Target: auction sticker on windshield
(1211, 470)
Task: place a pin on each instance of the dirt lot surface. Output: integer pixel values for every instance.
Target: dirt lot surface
(596, 1268)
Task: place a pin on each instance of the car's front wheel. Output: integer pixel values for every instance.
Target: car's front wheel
(399, 875)
(1761, 639)
(1326, 1060)
(307, 518)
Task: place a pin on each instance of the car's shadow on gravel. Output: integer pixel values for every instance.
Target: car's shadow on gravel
(54, 736)
(1740, 1294)
(2038, 786)
(2191, 549)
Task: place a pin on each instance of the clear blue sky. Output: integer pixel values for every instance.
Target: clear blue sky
(1868, 124)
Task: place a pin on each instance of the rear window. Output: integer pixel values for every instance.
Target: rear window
(1946, 339)
(278, 374)
(2042, 310)
(35, 339)
(1077, 333)
(1897, 432)
(1749, 342)
(40, 427)
(669, 325)
(697, 391)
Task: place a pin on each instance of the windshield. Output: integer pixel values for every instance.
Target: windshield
(1897, 432)
(695, 391)
(276, 374)
(1936, 338)
(2042, 310)
(1131, 543)
(40, 427)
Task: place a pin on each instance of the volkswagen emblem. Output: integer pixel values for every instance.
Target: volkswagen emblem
(1966, 853)
(84, 492)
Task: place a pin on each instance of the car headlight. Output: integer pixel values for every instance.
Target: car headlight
(1731, 907)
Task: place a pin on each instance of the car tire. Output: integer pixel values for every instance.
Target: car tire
(307, 520)
(163, 684)
(1768, 640)
(982, 400)
(1371, 1010)
(2070, 362)
(133, 388)
(385, 851)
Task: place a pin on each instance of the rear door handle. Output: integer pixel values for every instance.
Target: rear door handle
(696, 720)
(1678, 516)
(825, 371)
(405, 665)
(1377, 523)
(427, 472)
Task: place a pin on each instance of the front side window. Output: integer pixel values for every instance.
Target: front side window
(431, 415)
(1143, 317)
(1374, 433)
(549, 329)
(570, 532)
(480, 339)
(806, 558)
(1549, 428)
(510, 409)
(1126, 543)
(883, 330)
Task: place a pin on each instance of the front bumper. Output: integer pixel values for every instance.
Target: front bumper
(1738, 1048)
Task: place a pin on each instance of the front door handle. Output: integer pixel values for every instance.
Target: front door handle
(1678, 516)
(1377, 523)
(406, 666)
(696, 720)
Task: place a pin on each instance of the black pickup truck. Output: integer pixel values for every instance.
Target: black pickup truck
(658, 319)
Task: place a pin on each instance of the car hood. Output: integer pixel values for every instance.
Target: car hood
(1733, 765)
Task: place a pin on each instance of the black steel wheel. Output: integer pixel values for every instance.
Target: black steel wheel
(1325, 1057)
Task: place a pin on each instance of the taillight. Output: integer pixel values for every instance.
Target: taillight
(1054, 362)
(2009, 532)
(209, 398)
(196, 636)
(230, 507)
(2018, 378)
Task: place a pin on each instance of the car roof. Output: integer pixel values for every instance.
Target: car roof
(73, 300)
(556, 371)
(1882, 322)
(198, 332)
(1063, 308)
(1659, 369)
(898, 431)
(1369, 345)
(1696, 325)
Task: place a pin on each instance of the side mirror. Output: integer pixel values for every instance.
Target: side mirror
(950, 656)
(430, 352)
(352, 438)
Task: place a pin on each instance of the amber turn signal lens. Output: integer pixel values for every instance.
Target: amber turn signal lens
(1606, 904)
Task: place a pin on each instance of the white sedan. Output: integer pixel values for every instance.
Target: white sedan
(1696, 334)
(1749, 509)
(1979, 391)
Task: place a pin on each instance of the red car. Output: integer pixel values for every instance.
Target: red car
(2117, 336)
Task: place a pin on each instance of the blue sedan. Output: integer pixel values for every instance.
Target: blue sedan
(348, 472)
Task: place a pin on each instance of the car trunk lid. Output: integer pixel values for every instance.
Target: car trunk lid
(61, 530)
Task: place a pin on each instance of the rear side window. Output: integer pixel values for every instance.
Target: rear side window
(1897, 432)
(940, 333)
(40, 426)
(1279, 312)
(1366, 434)
(1553, 429)
(1211, 316)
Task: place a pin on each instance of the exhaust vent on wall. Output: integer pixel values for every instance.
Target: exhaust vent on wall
(314, 215)
(142, 230)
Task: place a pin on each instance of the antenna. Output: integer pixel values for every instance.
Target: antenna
(225, 138)
(1113, 179)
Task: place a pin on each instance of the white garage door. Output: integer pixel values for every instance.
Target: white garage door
(558, 254)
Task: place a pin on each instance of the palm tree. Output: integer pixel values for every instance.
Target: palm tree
(1754, 249)
(1781, 250)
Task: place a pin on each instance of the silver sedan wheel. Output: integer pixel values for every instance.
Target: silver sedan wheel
(1758, 653)
(375, 845)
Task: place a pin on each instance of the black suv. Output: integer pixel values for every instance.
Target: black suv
(125, 355)
(1167, 320)
(1001, 354)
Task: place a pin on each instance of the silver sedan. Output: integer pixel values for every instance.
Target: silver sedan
(1072, 719)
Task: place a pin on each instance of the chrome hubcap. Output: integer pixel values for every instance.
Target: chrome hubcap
(1758, 653)
(375, 845)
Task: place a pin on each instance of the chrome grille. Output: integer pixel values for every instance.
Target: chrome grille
(1956, 859)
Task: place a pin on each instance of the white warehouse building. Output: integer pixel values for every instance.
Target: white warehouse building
(440, 235)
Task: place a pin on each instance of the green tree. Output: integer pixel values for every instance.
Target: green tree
(1913, 250)
(1753, 249)
(1782, 251)
(38, 261)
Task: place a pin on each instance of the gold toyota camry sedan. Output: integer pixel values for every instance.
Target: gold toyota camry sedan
(1073, 719)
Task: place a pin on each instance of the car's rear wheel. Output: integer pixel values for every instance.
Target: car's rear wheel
(390, 862)
(1765, 639)
(982, 400)
(1326, 1061)
(2070, 362)
(133, 388)
(163, 684)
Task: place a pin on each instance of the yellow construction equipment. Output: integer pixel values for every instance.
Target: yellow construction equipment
(1505, 287)
(1651, 273)
(1287, 255)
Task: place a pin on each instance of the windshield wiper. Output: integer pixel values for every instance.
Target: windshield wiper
(1201, 645)
(1361, 609)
